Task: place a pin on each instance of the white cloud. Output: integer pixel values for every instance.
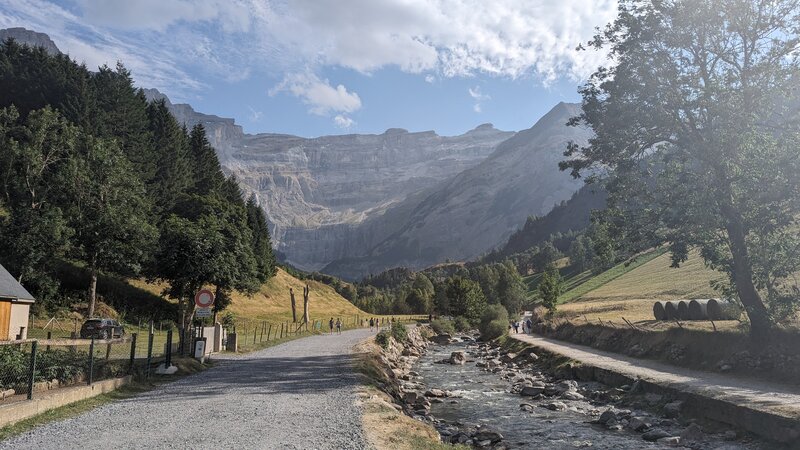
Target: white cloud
(170, 44)
(343, 121)
(511, 38)
(322, 98)
(255, 116)
(160, 14)
(479, 97)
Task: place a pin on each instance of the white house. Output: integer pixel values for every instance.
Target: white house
(15, 305)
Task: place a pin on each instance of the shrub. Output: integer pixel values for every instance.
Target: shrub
(462, 324)
(382, 339)
(494, 329)
(494, 322)
(399, 332)
(442, 326)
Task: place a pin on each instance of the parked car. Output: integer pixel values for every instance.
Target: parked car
(102, 329)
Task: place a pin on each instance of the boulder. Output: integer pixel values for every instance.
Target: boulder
(672, 441)
(442, 339)
(488, 435)
(607, 415)
(458, 358)
(556, 406)
(692, 433)
(435, 393)
(655, 434)
(536, 388)
(638, 424)
(572, 395)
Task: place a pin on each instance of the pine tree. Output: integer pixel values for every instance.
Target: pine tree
(174, 174)
(262, 245)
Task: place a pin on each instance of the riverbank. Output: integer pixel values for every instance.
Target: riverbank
(386, 418)
(769, 410)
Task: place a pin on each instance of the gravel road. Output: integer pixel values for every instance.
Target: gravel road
(298, 395)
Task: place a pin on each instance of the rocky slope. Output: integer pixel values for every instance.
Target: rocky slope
(480, 207)
(32, 38)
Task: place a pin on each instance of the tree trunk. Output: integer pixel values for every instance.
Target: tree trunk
(305, 304)
(92, 292)
(294, 306)
(760, 323)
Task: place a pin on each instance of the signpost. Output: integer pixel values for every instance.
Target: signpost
(203, 300)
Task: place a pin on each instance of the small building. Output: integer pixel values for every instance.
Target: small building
(15, 306)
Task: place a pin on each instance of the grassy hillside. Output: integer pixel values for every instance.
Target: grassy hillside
(272, 302)
(631, 294)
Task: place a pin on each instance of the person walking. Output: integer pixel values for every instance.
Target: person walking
(338, 326)
(371, 324)
(530, 325)
(330, 324)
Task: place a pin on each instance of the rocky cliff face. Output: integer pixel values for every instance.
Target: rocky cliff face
(336, 197)
(32, 38)
(480, 207)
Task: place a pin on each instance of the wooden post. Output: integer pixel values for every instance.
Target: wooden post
(269, 331)
(294, 305)
(306, 291)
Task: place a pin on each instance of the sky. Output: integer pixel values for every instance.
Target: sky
(318, 67)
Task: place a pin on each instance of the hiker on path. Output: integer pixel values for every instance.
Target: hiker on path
(330, 324)
(530, 325)
(371, 324)
(338, 326)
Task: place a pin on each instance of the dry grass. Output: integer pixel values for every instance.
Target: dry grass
(632, 294)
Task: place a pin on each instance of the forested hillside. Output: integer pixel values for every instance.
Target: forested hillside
(93, 175)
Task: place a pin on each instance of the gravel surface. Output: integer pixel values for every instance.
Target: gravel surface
(298, 395)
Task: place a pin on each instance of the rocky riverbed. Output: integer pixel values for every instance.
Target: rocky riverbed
(483, 396)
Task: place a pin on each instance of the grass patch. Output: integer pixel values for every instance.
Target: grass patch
(583, 284)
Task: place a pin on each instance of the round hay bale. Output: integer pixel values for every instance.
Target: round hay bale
(697, 309)
(671, 309)
(658, 311)
(722, 309)
(683, 310)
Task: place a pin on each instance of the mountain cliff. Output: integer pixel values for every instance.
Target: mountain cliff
(480, 207)
(32, 38)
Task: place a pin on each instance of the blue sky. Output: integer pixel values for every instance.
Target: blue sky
(314, 67)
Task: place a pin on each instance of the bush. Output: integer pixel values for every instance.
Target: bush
(494, 322)
(442, 326)
(462, 324)
(382, 339)
(399, 332)
(494, 329)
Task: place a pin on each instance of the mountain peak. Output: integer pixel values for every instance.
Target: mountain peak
(31, 38)
(391, 131)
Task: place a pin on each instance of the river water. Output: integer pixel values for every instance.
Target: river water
(484, 398)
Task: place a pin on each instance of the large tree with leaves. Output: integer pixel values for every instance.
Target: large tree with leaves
(693, 120)
(109, 212)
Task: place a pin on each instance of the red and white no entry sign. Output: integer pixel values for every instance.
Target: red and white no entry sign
(204, 298)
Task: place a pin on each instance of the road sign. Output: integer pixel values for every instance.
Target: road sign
(204, 298)
(202, 312)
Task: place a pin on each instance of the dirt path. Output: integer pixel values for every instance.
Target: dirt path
(772, 398)
(298, 395)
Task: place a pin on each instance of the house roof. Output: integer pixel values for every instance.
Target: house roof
(9, 288)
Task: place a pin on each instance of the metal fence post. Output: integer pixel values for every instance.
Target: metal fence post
(133, 352)
(149, 353)
(168, 361)
(32, 371)
(91, 362)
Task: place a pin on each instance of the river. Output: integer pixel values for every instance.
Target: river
(480, 397)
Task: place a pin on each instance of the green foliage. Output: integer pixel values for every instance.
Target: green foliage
(91, 172)
(706, 168)
(550, 288)
(466, 298)
(63, 365)
(399, 332)
(494, 322)
(383, 339)
(461, 324)
(442, 326)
